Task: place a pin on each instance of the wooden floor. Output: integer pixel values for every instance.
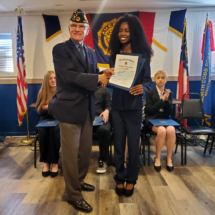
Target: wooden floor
(187, 190)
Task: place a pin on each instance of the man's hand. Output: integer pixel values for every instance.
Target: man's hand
(105, 115)
(103, 80)
(109, 72)
(137, 90)
(45, 107)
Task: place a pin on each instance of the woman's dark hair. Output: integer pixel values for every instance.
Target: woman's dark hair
(139, 42)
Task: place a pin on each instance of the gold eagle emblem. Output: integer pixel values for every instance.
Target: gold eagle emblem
(78, 19)
(104, 35)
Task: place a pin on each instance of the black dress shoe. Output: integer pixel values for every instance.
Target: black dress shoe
(170, 168)
(81, 205)
(157, 168)
(53, 174)
(87, 187)
(129, 193)
(119, 191)
(45, 174)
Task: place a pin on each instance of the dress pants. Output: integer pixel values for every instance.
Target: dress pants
(126, 123)
(103, 133)
(76, 146)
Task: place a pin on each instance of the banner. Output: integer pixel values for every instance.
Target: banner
(52, 24)
(205, 90)
(211, 39)
(176, 22)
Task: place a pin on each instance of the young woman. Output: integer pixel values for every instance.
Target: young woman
(128, 36)
(159, 106)
(49, 137)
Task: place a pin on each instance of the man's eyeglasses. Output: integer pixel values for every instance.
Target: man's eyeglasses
(81, 27)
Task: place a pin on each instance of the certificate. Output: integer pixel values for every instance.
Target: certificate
(127, 68)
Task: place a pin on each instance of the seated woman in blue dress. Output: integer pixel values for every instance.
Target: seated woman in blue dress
(159, 106)
(49, 137)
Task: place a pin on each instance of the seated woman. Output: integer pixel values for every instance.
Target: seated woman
(159, 106)
(49, 137)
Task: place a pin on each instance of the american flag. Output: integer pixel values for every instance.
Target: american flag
(22, 90)
(183, 75)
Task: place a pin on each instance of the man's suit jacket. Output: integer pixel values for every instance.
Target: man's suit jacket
(123, 100)
(154, 104)
(76, 83)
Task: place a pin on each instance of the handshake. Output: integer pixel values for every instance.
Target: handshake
(104, 78)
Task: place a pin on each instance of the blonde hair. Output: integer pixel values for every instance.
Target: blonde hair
(45, 94)
(161, 72)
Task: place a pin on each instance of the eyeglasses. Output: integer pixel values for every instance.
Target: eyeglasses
(81, 27)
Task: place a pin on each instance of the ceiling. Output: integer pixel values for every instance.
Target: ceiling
(99, 5)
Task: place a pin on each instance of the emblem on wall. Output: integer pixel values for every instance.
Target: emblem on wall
(104, 35)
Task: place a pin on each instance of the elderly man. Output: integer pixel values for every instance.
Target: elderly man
(77, 78)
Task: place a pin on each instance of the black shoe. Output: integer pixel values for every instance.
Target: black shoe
(81, 206)
(53, 174)
(129, 193)
(170, 168)
(45, 174)
(87, 187)
(157, 168)
(119, 191)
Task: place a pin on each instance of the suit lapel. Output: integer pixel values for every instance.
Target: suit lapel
(157, 97)
(77, 53)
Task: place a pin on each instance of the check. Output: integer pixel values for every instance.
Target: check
(127, 68)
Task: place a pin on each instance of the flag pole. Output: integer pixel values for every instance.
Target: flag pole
(27, 140)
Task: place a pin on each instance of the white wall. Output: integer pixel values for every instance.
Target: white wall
(38, 52)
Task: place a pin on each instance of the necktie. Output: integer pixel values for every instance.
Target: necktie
(81, 51)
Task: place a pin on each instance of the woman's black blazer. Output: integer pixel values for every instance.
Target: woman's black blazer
(154, 104)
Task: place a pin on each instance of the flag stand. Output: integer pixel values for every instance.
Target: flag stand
(27, 140)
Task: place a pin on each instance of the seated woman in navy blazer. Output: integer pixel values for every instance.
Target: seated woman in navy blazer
(49, 137)
(159, 106)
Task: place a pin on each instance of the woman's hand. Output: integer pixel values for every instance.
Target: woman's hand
(45, 107)
(137, 90)
(166, 95)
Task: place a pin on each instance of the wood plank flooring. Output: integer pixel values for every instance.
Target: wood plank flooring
(188, 190)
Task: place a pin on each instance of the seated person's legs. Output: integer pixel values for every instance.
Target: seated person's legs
(159, 142)
(170, 143)
(103, 134)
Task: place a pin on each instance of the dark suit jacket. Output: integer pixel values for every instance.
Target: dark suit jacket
(76, 83)
(154, 104)
(102, 100)
(123, 100)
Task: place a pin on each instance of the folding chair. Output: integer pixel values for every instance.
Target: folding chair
(193, 109)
